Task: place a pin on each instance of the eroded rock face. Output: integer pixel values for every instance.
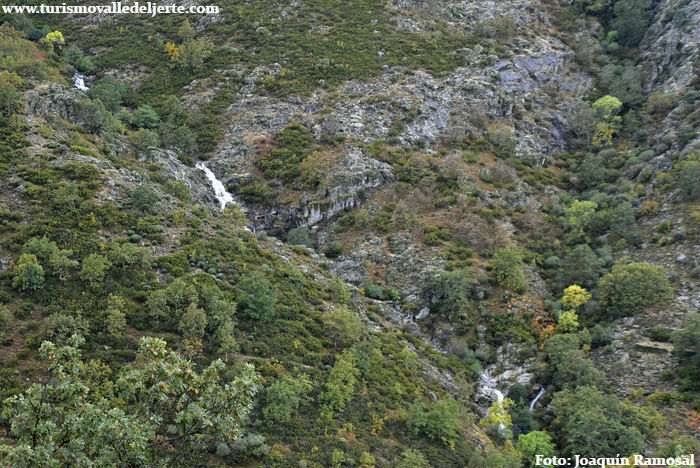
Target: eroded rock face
(57, 101)
(671, 47)
(344, 186)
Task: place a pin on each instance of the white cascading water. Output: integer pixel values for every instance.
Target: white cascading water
(220, 192)
(532, 404)
(79, 81)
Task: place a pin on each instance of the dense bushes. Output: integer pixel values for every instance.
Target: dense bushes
(628, 289)
(507, 268)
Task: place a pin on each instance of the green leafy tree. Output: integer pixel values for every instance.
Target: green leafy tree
(507, 268)
(198, 406)
(580, 266)
(94, 269)
(439, 421)
(343, 325)
(259, 299)
(628, 289)
(284, 396)
(143, 139)
(226, 339)
(535, 443)
(60, 424)
(689, 180)
(631, 20)
(340, 385)
(161, 402)
(452, 291)
(144, 198)
(575, 296)
(498, 414)
(607, 107)
(590, 422)
(114, 318)
(579, 217)
(110, 91)
(60, 327)
(145, 117)
(29, 275)
(186, 32)
(166, 306)
(687, 340)
(411, 459)
(192, 325)
(299, 236)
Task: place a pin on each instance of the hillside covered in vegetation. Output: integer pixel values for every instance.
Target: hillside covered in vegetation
(365, 233)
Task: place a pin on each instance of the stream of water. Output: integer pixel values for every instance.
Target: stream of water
(223, 196)
(532, 404)
(79, 81)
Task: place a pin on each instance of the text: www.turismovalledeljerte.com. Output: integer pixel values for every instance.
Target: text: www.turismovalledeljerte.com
(114, 8)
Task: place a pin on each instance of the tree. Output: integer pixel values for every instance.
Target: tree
(162, 402)
(590, 422)
(439, 421)
(498, 414)
(145, 117)
(507, 268)
(172, 51)
(575, 296)
(192, 326)
(226, 339)
(59, 327)
(59, 424)
(94, 269)
(580, 266)
(687, 340)
(259, 300)
(340, 384)
(578, 217)
(631, 20)
(110, 91)
(568, 321)
(143, 139)
(186, 32)
(411, 459)
(144, 198)
(283, 397)
(299, 236)
(166, 306)
(689, 180)
(114, 318)
(628, 289)
(29, 275)
(343, 325)
(607, 107)
(535, 443)
(452, 291)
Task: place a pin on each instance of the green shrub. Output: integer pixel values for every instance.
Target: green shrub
(58, 328)
(373, 291)
(284, 396)
(300, 236)
(144, 198)
(259, 299)
(507, 268)
(439, 421)
(29, 275)
(628, 289)
(689, 180)
(334, 250)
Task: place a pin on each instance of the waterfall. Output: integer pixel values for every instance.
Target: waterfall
(532, 404)
(220, 192)
(499, 395)
(79, 81)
